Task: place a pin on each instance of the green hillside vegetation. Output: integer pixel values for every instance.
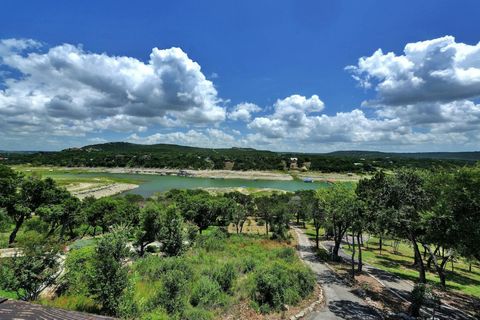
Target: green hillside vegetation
(122, 154)
(190, 254)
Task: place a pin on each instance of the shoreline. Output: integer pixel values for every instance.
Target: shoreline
(220, 174)
(96, 191)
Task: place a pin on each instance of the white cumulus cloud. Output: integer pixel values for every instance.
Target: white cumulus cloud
(438, 70)
(67, 90)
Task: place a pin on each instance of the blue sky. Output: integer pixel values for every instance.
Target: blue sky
(266, 74)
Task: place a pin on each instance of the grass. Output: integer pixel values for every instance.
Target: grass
(8, 294)
(66, 176)
(209, 288)
(400, 264)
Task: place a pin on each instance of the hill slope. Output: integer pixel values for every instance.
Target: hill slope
(124, 154)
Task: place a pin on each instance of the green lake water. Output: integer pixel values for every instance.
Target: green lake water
(150, 184)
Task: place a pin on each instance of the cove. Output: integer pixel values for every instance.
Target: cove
(150, 184)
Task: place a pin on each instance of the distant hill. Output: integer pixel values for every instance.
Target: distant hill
(468, 156)
(124, 154)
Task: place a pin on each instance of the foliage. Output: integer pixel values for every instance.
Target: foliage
(282, 284)
(109, 277)
(36, 268)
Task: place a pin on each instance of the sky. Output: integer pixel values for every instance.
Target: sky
(297, 75)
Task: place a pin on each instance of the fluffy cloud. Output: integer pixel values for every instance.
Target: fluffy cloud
(289, 116)
(69, 91)
(243, 111)
(433, 71)
(391, 128)
(213, 138)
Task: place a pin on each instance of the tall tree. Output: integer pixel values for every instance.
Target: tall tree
(171, 234)
(245, 208)
(148, 229)
(109, 277)
(339, 201)
(410, 200)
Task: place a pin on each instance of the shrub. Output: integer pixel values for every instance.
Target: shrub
(248, 264)
(173, 294)
(225, 276)
(157, 314)
(279, 284)
(206, 293)
(78, 266)
(215, 241)
(287, 253)
(154, 268)
(109, 279)
(198, 314)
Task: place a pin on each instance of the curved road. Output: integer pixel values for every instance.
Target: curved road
(341, 303)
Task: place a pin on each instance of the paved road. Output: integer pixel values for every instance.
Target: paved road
(341, 303)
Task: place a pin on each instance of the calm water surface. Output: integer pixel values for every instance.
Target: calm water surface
(151, 184)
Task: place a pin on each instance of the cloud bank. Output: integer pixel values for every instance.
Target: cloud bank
(425, 99)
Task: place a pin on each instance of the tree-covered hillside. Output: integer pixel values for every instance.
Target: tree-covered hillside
(122, 154)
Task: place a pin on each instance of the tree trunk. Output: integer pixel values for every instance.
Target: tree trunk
(266, 228)
(336, 248)
(421, 267)
(469, 267)
(360, 261)
(429, 261)
(13, 235)
(353, 256)
(380, 244)
(298, 217)
(316, 237)
(440, 268)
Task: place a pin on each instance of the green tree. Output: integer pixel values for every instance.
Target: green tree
(245, 207)
(36, 268)
(264, 210)
(109, 276)
(410, 200)
(63, 216)
(280, 216)
(149, 227)
(171, 231)
(339, 201)
(33, 193)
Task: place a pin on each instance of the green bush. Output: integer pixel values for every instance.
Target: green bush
(78, 268)
(172, 297)
(157, 314)
(288, 254)
(248, 264)
(198, 314)
(214, 241)
(206, 293)
(154, 268)
(279, 284)
(225, 276)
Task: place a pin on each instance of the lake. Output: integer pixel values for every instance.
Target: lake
(150, 184)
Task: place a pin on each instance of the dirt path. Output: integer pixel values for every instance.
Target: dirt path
(341, 303)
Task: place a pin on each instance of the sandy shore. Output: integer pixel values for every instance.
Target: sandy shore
(225, 174)
(331, 176)
(83, 190)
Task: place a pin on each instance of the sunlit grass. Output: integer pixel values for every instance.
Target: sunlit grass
(401, 264)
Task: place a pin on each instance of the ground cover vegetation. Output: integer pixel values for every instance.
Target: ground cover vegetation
(121, 154)
(185, 255)
(172, 257)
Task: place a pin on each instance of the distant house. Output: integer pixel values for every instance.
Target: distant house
(293, 163)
